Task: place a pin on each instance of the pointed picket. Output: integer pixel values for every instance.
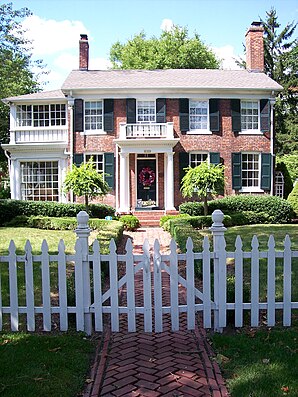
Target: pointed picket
(147, 288)
(190, 278)
(238, 282)
(46, 290)
(13, 287)
(287, 282)
(130, 290)
(62, 286)
(174, 286)
(157, 287)
(271, 282)
(206, 283)
(80, 323)
(222, 293)
(29, 287)
(255, 281)
(114, 287)
(97, 281)
(1, 312)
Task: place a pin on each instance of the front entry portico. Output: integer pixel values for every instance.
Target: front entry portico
(133, 159)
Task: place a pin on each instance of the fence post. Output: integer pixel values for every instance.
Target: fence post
(219, 288)
(83, 232)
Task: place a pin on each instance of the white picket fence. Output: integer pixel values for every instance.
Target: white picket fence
(147, 277)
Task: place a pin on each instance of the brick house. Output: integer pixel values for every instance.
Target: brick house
(143, 127)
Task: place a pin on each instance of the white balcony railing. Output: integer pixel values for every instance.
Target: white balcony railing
(38, 136)
(139, 131)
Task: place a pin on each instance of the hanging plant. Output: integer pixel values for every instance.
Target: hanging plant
(147, 177)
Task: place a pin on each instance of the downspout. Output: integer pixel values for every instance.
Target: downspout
(272, 136)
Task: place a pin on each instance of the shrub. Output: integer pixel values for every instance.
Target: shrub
(18, 221)
(165, 218)
(288, 186)
(11, 208)
(192, 208)
(130, 222)
(293, 199)
(278, 210)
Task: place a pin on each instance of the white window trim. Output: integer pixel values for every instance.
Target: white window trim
(252, 132)
(199, 131)
(137, 106)
(253, 189)
(198, 152)
(94, 132)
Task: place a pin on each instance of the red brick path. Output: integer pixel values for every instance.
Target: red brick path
(168, 364)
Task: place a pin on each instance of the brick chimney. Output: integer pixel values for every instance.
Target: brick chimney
(84, 52)
(255, 48)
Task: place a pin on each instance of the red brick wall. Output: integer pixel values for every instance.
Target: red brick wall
(255, 49)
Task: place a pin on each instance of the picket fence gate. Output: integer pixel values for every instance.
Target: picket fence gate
(144, 280)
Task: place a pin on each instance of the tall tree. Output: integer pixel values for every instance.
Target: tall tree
(174, 49)
(16, 76)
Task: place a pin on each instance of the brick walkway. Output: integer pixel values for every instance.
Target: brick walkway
(167, 364)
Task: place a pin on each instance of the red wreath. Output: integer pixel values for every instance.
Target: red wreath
(147, 176)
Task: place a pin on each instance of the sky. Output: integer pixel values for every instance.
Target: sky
(56, 25)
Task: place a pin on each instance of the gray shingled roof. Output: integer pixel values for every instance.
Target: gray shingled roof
(169, 78)
(55, 94)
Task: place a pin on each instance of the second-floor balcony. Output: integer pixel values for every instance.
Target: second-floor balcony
(144, 130)
(39, 135)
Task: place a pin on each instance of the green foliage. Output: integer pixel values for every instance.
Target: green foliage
(282, 166)
(12, 208)
(174, 49)
(204, 180)
(85, 181)
(165, 218)
(293, 199)
(291, 163)
(192, 208)
(130, 222)
(278, 210)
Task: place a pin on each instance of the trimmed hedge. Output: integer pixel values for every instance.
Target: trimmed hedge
(130, 222)
(12, 208)
(66, 223)
(278, 210)
(293, 199)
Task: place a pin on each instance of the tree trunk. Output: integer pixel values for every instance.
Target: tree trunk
(205, 205)
(87, 203)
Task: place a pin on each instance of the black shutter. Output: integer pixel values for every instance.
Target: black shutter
(214, 115)
(130, 111)
(236, 171)
(266, 171)
(109, 169)
(214, 158)
(236, 115)
(184, 114)
(265, 115)
(108, 118)
(183, 163)
(161, 110)
(79, 115)
(78, 159)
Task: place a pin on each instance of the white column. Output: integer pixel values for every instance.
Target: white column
(124, 183)
(16, 176)
(169, 182)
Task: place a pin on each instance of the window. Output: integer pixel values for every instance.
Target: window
(197, 158)
(249, 115)
(198, 115)
(39, 180)
(41, 115)
(146, 112)
(279, 184)
(97, 160)
(250, 170)
(93, 115)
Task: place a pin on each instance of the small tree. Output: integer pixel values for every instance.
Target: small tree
(85, 181)
(203, 180)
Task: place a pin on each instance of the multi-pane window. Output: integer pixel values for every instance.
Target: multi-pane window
(197, 158)
(198, 115)
(97, 161)
(93, 115)
(41, 115)
(250, 170)
(249, 115)
(146, 112)
(39, 180)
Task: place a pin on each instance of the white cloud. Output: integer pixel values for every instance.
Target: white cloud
(227, 56)
(51, 36)
(99, 64)
(66, 62)
(166, 25)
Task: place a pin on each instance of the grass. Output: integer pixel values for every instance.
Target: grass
(259, 363)
(43, 365)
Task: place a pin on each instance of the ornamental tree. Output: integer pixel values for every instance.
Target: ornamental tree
(86, 181)
(204, 180)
